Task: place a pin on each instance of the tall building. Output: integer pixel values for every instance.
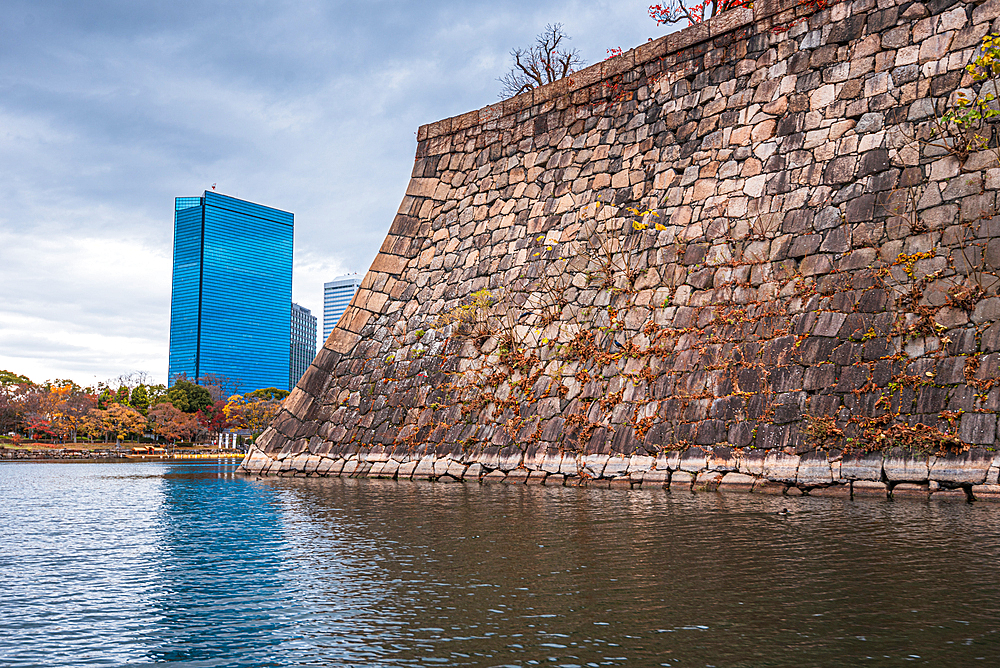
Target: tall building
(303, 343)
(231, 292)
(337, 295)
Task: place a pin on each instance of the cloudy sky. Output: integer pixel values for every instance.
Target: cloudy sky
(110, 109)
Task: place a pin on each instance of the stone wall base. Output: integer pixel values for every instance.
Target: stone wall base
(971, 476)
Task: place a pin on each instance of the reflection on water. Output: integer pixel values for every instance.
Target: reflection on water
(190, 565)
(219, 555)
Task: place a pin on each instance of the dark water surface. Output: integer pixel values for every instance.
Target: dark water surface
(189, 564)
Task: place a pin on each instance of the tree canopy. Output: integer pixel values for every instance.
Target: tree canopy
(140, 399)
(11, 378)
(267, 393)
(124, 407)
(188, 397)
(173, 424)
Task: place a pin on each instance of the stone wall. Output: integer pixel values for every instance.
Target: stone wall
(742, 241)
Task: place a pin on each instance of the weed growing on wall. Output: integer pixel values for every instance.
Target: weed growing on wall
(965, 126)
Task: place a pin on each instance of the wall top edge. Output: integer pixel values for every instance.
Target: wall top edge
(667, 45)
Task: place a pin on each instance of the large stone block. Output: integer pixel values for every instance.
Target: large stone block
(517, 477)
(736, 482)
(406, 469)
(592, 466)
(694, 460)
(861, 489)
(494, 476)
(723, 458)
(615, 467)
(655, 477)
(536, 477)
(641, 464)
(509, 459)
(833, 491)
(456, 470)
(377, 470)
(441, 466)
(681, 481)
(752, 463)
(899, 467)
(255, 461)
(781, 467)
(979, 428)
(298, 462)
(969, 468)
(866, 466)
(361, 470)
(570, 464)
(707, 481)
(986, 493)
(351, 466)
(552, 462)
(769, 487)
(909, 490)
(951, 495)
(814, 469)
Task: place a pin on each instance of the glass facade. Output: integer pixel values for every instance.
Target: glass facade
(303, 344)
(337, 294)
(231, 292)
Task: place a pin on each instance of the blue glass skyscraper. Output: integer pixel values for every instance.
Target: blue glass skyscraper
(232, 293)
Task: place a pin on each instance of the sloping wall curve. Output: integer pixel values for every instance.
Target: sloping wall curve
(740, 236)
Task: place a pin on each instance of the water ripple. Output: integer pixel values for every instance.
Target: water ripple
(190, 565)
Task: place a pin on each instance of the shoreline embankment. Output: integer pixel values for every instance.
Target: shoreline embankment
(971, 476)
(78, 454)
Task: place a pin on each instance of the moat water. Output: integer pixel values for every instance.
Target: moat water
(191, 564)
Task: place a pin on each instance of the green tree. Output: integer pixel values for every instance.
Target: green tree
(267, 393)
(188, 397)
(140, 399)
(106, 398)
(178, 398)
(157, 393)
(11, 378)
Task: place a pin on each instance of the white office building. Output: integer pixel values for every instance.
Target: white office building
(337, 295)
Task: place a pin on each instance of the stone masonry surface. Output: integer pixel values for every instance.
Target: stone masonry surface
(736, 257)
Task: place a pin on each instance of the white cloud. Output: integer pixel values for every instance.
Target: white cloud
(73, 305)
(109, 111)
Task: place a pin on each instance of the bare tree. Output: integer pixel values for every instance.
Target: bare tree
(221, 387)
(541, 63)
